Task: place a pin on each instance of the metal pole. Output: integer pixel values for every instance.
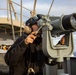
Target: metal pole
(33, 13)
(15, 14)
(21, 19)
(7, 10)
(34, 9)
(11, 20)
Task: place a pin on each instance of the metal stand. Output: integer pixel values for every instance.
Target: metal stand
(60, 70)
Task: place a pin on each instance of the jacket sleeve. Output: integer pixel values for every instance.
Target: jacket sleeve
(15, 53)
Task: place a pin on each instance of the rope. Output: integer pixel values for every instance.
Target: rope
(22, 6)
(3, 9)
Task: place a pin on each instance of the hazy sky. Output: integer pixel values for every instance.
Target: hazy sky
(59, 7)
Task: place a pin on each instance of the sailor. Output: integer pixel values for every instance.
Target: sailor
(25, 56)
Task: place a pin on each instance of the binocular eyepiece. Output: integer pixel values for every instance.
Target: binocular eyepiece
(69, 21)
(63, 24)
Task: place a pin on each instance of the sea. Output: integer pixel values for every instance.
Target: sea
(74, 54)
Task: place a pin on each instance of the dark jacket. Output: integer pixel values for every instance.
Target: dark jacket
(21, 56)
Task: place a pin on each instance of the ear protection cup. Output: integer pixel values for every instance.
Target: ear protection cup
(27, 30)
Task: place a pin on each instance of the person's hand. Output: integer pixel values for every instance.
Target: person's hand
(30, 38)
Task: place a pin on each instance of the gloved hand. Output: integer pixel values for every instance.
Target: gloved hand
(30, 38)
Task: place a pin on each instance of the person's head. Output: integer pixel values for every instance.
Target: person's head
(62, 40)
(29, 29)
(31, 25)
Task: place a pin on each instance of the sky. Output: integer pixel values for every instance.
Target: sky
(42, 7)
(60, 7)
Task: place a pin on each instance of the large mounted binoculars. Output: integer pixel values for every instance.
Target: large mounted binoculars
(53, 27)
(60, 25)
(56, 26)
